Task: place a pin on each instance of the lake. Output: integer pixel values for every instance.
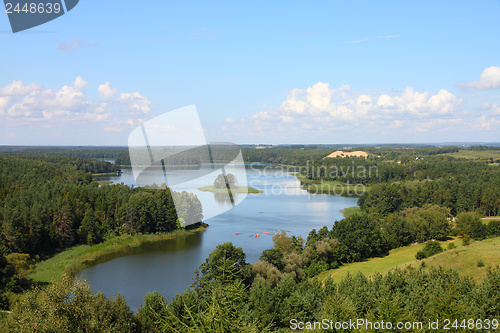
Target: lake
(169, 266)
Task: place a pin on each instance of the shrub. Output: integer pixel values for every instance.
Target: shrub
(430, 249)
(451, 246)
(420, 255)
(480, 263)
(493, 229)
(466, 240)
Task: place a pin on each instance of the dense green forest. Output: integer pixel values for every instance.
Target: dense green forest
(416, 195)
(49, 203)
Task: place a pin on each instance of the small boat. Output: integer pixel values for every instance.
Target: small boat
(265, 232)
(279, 231)
(236, 233)
(256, 235)
(289, 230)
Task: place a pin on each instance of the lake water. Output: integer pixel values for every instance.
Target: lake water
(169, 266)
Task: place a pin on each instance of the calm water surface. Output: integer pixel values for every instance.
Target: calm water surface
(169, 266)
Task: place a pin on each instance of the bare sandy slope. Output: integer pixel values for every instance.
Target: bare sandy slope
(340, 153)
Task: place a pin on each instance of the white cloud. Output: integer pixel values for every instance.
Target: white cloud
(113, 129)
(75, 44)
(19, 102)
(328, 109)
(135, 102)
(493, 109)
(17, 88)
(105, 90)
(489, 79)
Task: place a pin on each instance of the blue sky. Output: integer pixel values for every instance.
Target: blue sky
(257, 71)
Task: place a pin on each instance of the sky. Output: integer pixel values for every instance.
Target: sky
(263, 72)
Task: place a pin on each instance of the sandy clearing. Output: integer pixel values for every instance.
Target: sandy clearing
(340, 153)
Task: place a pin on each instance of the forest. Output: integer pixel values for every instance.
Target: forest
(51, 203)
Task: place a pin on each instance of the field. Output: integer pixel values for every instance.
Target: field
(327, 186)
(351, 211)
(476, 154)
(465, 258)
(462, 258)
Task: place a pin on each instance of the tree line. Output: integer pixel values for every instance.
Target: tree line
(50, 203)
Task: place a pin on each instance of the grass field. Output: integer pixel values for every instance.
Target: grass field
(476, 154)
(487, 220)
(351, 211)
(327, 186)
(462, 258)
(79, 257)
(396, 258)
(465, 258)
(239, 189)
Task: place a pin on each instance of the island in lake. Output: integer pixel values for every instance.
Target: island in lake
(223, 182)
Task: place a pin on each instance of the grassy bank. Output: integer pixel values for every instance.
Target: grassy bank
(239, 189)
(465, 259)
(77, 258)
(350, 211)
(105, 174)
(328, 186)
(396, 258)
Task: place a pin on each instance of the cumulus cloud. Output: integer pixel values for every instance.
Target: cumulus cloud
(489, 79)
(135, 102)
(33, 102)
(17, 88)
(322, 108)
(105, 90)
(75, 44)
(493, 109)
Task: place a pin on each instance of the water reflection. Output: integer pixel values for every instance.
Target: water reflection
(169, 266)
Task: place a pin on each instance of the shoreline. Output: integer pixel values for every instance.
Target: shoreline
(77, 258)
(239, 189)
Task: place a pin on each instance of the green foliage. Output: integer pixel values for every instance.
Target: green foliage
(466, 240)
(226, 263)
(222, 182)
(154, 306)
(69, 306)
(458, 184)
(430, 249)
(428, 222)
(480, 263)
(469, 223)
(493, 228)
(361, 235)
(451, 246)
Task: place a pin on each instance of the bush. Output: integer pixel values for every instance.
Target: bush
(469, 223)
(466, 240)
(480, 263)
(451, 246)
(420, 255)
(493, 229)
(430, 249)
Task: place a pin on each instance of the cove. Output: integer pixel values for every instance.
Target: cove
(168, 266)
